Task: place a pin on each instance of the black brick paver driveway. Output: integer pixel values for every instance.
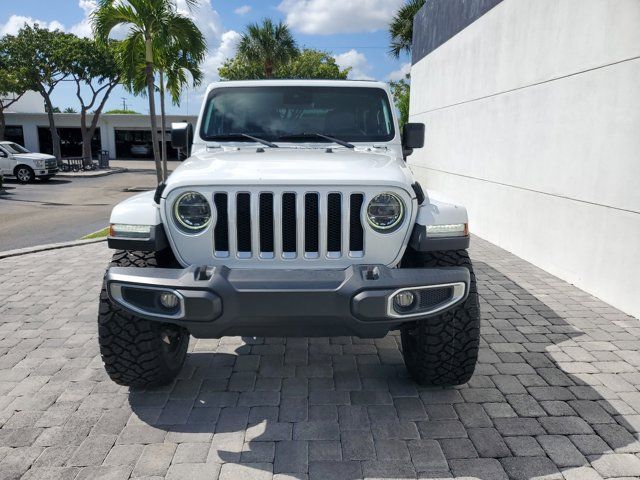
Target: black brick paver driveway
(555, 394)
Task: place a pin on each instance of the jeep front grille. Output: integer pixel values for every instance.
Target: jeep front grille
(294, 227)
(268, 225)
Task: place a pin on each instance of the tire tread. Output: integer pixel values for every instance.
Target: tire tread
(130, 346)
(445, 350)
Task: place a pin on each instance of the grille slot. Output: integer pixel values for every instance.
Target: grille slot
(356, 232)
(266, 224)
(243, 223)
(312, 223)
(334, 224)
(289, 220)
(221, 232)
(288, 225)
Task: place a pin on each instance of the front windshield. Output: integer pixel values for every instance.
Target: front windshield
(14, 148)
(298, 114)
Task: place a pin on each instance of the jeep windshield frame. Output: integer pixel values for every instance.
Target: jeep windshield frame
(287, 114)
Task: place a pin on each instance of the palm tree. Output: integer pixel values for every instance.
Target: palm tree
(174, 65)
(178, 66)
(269, 45)
(401, 28)
(152, 25)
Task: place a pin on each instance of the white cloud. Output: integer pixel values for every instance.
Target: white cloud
(243, 10)
(15, 22)
(327, 17)
(206, 18)
(400, 73)
(83, 27)
(225, 49)
(221, 43)
(360, 67)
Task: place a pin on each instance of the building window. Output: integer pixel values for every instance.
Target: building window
(70, 142)
(14, 133)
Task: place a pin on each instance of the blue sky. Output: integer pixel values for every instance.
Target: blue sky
(354, 31)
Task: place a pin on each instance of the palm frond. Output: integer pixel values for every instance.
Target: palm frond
(401, 28)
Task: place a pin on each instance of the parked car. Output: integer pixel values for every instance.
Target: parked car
(296, 215)
(141, 150)
(17, 161)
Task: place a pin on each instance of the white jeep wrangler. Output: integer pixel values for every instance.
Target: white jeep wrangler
(295, 215)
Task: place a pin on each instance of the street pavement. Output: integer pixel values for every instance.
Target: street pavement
(63, 209)
(555, 394)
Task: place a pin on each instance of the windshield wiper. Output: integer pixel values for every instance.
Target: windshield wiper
(317, 135)
(230, 136)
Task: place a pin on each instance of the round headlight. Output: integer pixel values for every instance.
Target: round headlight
(192, 211)
(385, 212)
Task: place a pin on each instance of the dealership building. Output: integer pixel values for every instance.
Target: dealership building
(123, 136)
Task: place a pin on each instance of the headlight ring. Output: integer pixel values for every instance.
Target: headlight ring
(385, 212)
(192, 212)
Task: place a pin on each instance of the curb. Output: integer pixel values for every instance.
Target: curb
(51, 246)
(113, 171)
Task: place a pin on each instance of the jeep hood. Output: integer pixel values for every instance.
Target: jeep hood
(291, 166)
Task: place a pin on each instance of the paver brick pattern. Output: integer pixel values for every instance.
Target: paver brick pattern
(555, 394)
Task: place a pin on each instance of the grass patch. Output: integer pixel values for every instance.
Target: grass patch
(99, 234)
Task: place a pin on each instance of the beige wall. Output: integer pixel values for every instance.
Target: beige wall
(533, 122)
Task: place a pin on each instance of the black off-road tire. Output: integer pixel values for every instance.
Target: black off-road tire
(137, 352)
(443, 350)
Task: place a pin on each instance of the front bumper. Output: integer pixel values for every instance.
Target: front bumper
(218, 301)
(46, 172)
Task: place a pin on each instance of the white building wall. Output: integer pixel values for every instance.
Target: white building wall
(30, 102)
(533, 122)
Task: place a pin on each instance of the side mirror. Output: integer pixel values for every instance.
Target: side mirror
(181, 136)
(413, 136)
(3, 154)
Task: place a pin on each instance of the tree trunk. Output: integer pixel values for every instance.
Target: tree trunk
(89, 131)
(152, 109)
(3, 125)
(55, 138)
(268, 69)
(86, 138)
(163, 128)
(87, 154)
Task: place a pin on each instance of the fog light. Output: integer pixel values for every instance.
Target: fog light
(169, 300)
(404, 299)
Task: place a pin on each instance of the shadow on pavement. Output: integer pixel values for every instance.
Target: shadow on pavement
(53, 181)
(547, 397)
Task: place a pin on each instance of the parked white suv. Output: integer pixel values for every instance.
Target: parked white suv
(296, 215)
(17, 161)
